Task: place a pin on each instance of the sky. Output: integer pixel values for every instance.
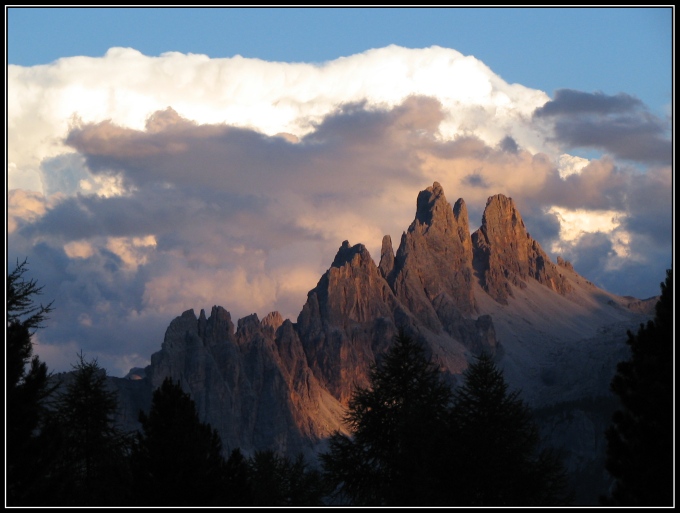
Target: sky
(164, 159)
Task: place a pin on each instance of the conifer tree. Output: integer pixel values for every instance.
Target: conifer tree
(238, 485)
(396, 424)
(640, 438)
(278, 481)
(92, 453)
(27, 389)
(177, 460)
(26, 377)
(495, 446)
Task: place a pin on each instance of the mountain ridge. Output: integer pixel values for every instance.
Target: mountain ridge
(283, 385)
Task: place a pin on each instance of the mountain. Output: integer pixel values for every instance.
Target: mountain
(283, 385)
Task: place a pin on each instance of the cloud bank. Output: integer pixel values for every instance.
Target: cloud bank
(140, 187)
(617, 124)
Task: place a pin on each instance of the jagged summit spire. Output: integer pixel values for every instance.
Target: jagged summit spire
(386, 257)
(431, 205)
(435, 257)
(346, 254)
(501, 216)
(505, 253)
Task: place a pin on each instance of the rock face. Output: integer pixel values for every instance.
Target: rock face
(282, 385)
(348, 318)
(434, 259)
(505, 255)
(253, 385)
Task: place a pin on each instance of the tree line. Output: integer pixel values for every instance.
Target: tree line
(413, 439)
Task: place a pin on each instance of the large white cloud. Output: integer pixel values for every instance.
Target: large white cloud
(126, 87)
(143, 186)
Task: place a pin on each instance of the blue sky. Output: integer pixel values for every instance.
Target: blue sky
(590, 49)
(166, 159)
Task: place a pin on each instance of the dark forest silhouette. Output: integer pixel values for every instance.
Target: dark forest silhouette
(414, 440)
(640, 448)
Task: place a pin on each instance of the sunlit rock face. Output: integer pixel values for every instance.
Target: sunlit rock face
(283, 385)
(352, 314)
(386, 257)
(434, 258)
(505, 255)
(349, 317)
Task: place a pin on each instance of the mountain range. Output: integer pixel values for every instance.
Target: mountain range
(278, 384)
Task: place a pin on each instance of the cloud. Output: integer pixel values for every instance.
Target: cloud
(78, 249)
(574, 103)
(649, 203)
(187, 182)
(125, 87)
(509, 144)
(570, 164)
(475, 180)
(23, 207)
(619, 124)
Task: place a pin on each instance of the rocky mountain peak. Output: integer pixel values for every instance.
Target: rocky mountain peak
(462, 225)
(431, 206)
(353, 255)
(505, 254)
(247, 326)
(502, 225)
(217, 327)
(386, 257)
(283, 385)
(435, 257)
(272, 320)
(352, 290)
(348, 316)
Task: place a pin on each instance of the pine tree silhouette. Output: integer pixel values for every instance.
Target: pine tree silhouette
(397, 425)
(28, 389)
(496, 446)
(91, 453)
(177, 460)
(640, 438)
